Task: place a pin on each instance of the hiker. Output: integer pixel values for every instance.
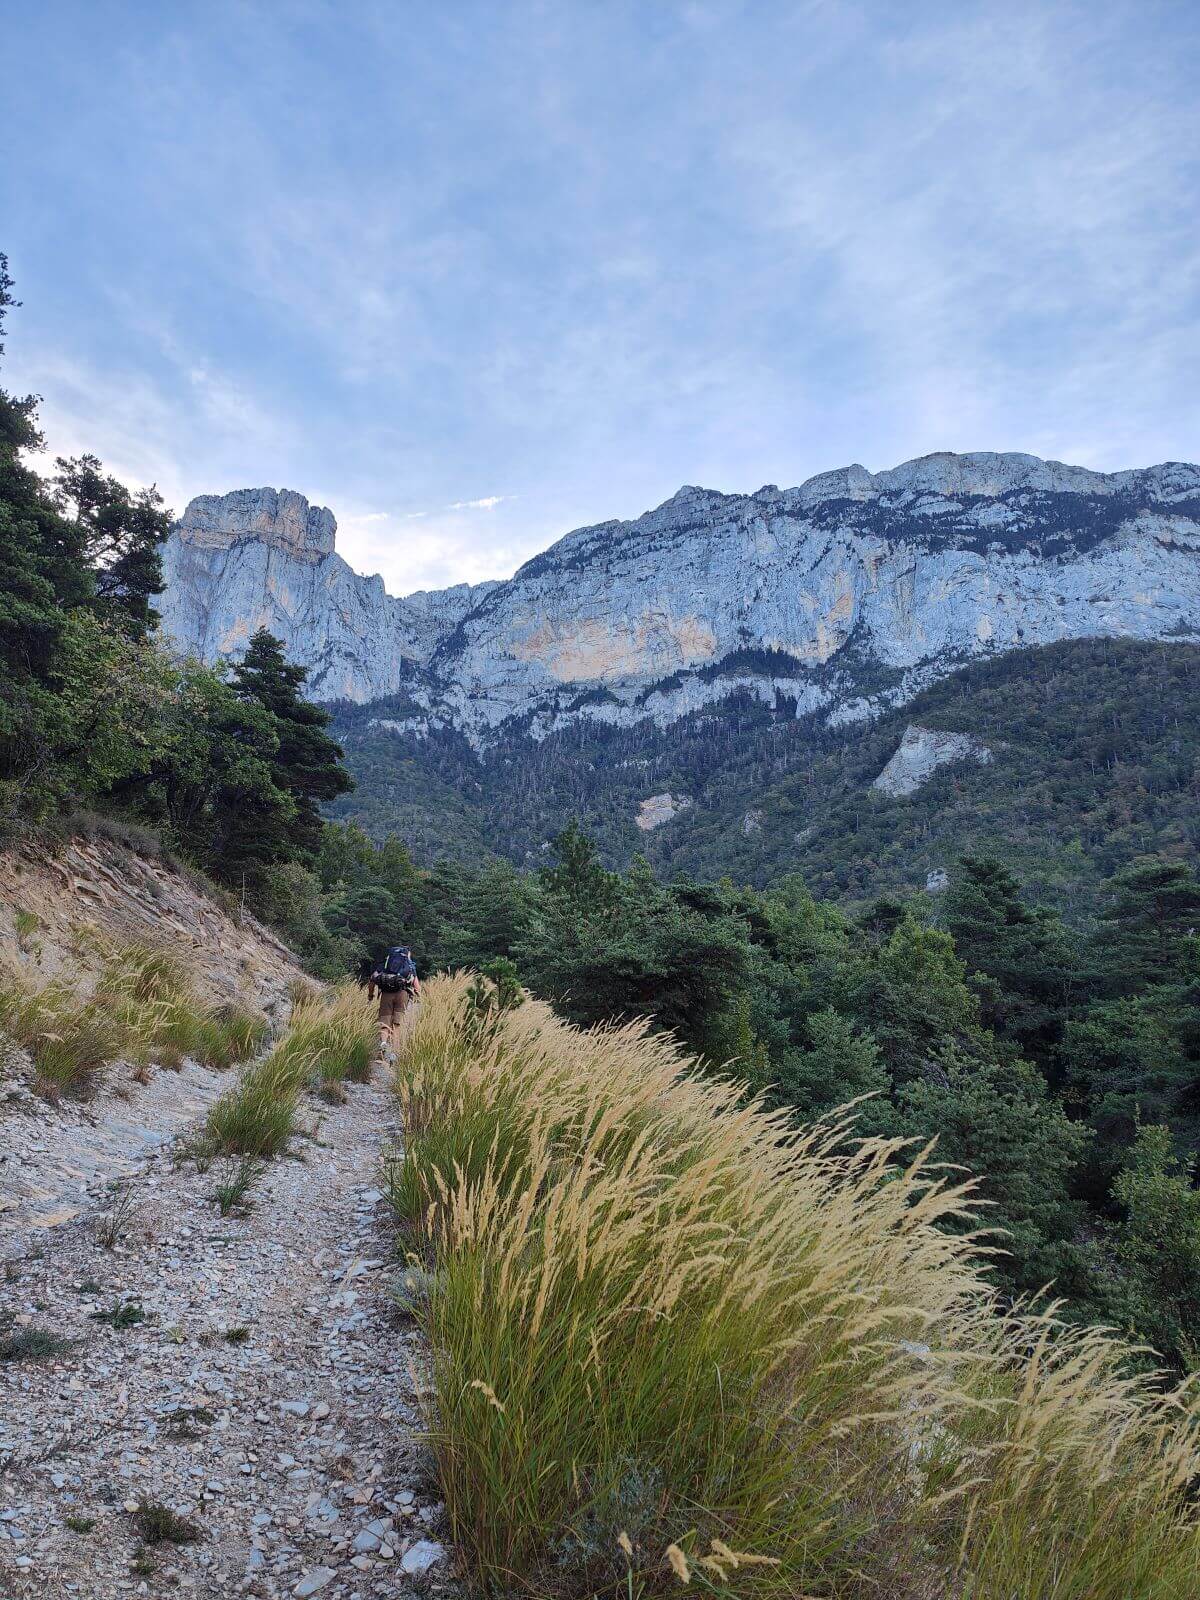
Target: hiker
(397, 983)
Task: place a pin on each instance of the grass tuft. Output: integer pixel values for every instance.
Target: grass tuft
(330, 1041)
(125, 1314)
(677, 1341)
(156, 1523)
(231, 1195)
(144, 1009)
(33, 1344)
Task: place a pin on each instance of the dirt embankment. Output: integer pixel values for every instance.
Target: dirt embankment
(64, 908)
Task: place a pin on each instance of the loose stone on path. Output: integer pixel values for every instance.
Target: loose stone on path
(292, 1448)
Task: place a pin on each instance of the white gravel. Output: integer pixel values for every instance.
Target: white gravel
(300, 1460)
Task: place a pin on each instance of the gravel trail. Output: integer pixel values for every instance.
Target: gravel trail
(265, 1393)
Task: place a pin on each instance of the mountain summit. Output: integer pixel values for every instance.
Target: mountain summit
(846, 594)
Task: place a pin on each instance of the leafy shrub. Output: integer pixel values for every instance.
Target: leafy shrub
(158, 1524)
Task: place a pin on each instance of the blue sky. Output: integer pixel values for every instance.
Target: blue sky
(475, 274)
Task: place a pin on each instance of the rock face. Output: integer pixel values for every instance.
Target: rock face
(845, 595)
(265, 558)
(922, 751)
(659, 808)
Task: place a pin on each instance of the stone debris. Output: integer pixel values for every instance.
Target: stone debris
(422, 1555)
(294, 1448)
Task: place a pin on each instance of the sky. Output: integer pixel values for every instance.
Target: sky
(474, 274)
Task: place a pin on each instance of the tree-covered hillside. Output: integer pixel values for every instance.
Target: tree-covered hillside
(1094, 742)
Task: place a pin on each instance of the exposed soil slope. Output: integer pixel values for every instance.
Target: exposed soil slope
(65, 908)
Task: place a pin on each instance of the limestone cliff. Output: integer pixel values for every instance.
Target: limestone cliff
(265, 558)
(847, 594)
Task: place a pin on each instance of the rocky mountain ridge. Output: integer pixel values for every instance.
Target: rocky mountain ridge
(844, 595)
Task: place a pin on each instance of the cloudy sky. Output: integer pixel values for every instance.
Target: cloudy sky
(475, 274)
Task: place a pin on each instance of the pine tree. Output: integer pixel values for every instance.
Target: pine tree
(121, 535)
(308, 762)
(1150, 926)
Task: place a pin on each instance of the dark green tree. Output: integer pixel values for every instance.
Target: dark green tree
(1022, 962)
(1151, 925)
(43, 573)
(307, 762)
(367, 916)
(839, 1063)
(1157, 1246)
(121, 534)
(999, 1122)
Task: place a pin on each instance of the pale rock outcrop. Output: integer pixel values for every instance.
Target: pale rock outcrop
(921, 752)
(659, 808)
(843, 596)
(265, 558)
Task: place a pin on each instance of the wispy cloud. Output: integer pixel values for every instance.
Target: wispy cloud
(488, 503)
(591, 253)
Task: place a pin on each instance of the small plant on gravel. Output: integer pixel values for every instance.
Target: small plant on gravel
(198, 1149)
(158, 1524)
(186, 1422)
(237, 1335)
(80, 1524)
(33, 1344)
(231, 1195)
(126, 1314)
(112, 1227)
(89, 1287)
(142, 1566)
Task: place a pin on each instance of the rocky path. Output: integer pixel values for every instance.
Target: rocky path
(259, 1384)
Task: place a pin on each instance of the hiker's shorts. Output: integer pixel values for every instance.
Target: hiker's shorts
(392, 1007)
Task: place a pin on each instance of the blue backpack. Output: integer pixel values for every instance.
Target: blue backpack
(399, 970)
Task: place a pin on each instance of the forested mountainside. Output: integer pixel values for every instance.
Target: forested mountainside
(1093, 748)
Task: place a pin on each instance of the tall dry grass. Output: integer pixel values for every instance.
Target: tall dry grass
(673, 1338)
(144, 1008)
(330, 1040)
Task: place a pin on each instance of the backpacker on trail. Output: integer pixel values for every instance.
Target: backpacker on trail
(397, 982)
